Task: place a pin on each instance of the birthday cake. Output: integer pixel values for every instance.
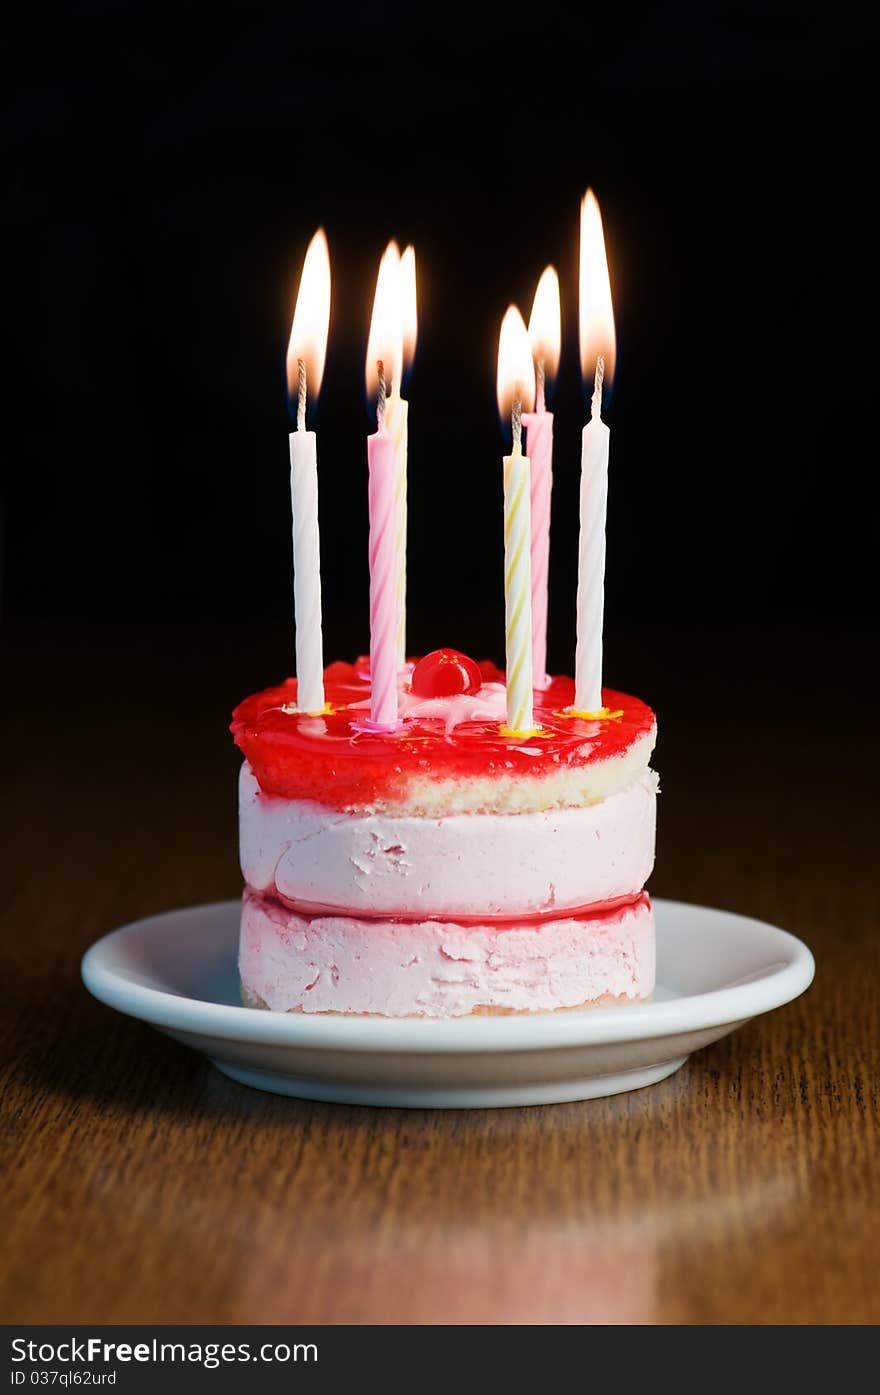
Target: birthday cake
(444, 867)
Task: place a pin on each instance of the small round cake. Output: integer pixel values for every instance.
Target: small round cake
(444, 867)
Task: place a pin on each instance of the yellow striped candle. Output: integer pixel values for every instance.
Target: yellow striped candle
(516, 390)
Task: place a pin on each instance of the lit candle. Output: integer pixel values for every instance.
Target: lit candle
(396, 420)
(544, 338)
(384, 359)
(305, 366)
(597, 345)
(516, 390)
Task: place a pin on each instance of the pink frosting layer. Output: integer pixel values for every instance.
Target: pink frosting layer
(487, 865)
(440, 969)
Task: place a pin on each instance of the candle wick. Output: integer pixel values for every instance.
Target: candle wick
(596, 401)
(383, 390)
(516, 424)
(540, 378)
(301, 399)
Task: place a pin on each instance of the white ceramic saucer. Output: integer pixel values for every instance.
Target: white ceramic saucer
(715, 971)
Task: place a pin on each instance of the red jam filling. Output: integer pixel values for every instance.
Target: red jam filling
(609, 911)
(297, 756)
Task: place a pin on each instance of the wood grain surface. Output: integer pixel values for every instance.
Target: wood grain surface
(140, 1185)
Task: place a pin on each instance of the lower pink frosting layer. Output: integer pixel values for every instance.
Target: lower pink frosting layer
(335, 963)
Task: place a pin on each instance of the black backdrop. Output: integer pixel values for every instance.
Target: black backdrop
(168, 168)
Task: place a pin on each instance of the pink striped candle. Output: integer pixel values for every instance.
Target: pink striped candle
(383, 579)
(539, 449)
(384, 360)
(545, 335)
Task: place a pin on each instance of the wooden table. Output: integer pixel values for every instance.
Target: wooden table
(143, 1186)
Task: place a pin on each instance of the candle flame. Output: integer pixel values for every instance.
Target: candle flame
(597, 334)
(408, 305)
(545, 322)
(385, 343)
(311, 317)
(516, 371)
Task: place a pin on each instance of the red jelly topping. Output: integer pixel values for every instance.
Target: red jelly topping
(610, 910)
(324, 757)
(444, 673)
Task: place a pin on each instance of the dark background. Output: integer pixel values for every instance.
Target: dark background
(167, 170)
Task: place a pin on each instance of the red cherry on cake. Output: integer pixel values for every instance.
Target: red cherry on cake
(445, 673)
